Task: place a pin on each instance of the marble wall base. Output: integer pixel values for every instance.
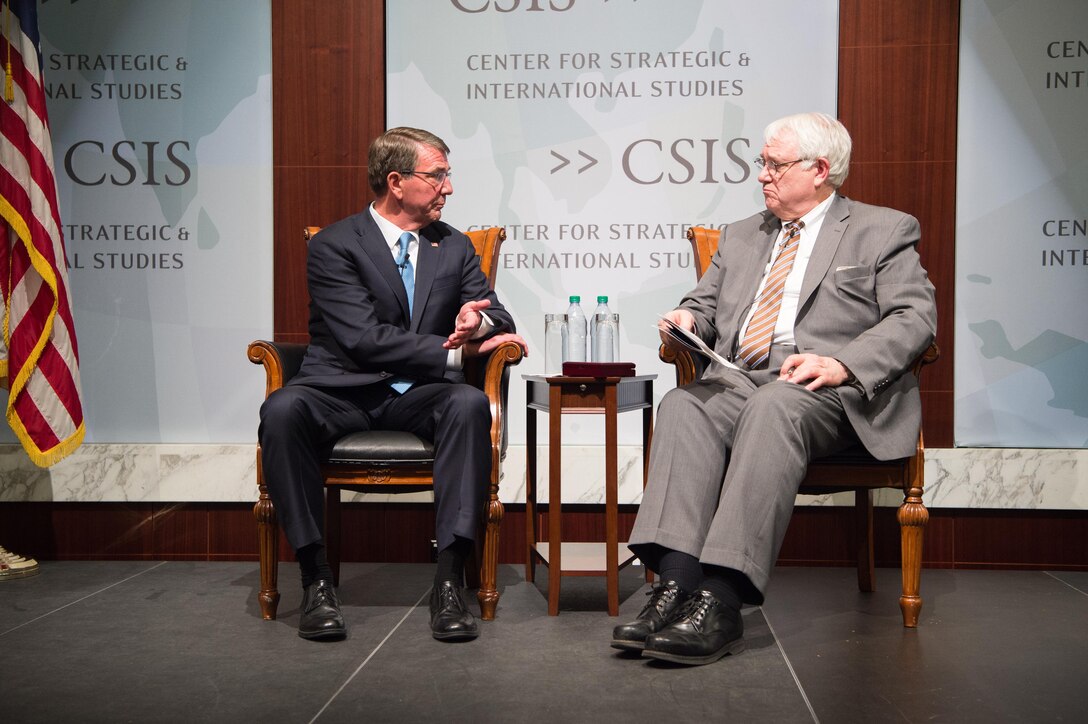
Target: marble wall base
(990, 478)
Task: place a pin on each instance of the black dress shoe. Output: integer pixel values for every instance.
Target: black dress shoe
(321, 618)
(705, 631)
(450, 619)
(666, 601)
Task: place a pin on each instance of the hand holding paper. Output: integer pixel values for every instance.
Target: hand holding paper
(673, 333)
(677, 317)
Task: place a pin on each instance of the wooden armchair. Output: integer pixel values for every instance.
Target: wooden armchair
(388, 461)
(852, 469)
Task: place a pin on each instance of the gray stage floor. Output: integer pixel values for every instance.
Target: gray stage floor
(183, 642)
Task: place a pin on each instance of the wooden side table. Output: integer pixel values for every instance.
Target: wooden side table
(580, 395)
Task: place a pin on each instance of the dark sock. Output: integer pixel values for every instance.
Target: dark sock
(726, 584)
(683, 568)
(451, 561)
(315, 566)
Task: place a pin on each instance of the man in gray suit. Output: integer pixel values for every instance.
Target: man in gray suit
(822, 304)
(397, 301)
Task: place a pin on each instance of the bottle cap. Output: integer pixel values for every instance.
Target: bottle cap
(602, 300)
(575, 298)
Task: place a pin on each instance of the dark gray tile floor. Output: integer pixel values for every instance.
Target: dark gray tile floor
(181, 642)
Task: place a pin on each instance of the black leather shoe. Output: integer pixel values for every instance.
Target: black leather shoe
(705, 631)
(321, 618)
(450, 619)
(666, 601)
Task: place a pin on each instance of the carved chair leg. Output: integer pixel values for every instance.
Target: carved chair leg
(863, 518)
(332, 530)
(488, 595)
(268, 539)
(913, 517)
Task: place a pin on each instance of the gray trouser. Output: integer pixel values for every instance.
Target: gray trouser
(728, 456)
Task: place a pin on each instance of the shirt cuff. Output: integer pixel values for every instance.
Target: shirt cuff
(485, 328)
(454, 357)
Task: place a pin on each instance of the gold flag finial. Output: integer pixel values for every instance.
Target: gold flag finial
(9, 81)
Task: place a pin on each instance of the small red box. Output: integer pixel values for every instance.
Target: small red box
(599, 369)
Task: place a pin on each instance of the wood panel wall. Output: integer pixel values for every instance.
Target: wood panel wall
(401, 533)
(328, 104)
(898, 74)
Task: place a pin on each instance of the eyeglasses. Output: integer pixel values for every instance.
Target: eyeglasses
(776, 168)
(438, 176)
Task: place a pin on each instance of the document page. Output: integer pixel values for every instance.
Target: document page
(689, 341)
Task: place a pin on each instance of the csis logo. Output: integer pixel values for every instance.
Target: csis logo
(509, 6)
(650, 161)
(91, 163)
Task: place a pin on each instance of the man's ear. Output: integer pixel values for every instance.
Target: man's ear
(393, 181)
(823, 169)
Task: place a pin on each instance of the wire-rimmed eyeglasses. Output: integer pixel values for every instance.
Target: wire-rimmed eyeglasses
(776, 168)
(438, 176)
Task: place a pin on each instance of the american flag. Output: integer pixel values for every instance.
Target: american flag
(39, 359)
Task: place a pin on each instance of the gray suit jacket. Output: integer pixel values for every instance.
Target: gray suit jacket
(360, 331)
(865, 300)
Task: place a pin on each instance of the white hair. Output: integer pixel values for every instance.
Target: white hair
(818, 135)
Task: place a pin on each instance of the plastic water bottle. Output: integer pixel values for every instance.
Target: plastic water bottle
(604, 349)
(576, 331)
(603, 332)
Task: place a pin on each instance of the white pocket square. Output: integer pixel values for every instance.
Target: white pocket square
(844, 268)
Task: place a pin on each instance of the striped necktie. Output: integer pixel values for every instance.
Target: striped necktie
(755, 347)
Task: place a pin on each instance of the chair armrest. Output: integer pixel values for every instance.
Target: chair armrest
(495, 386)
(931, 355)
(281, 361)
(687, 369)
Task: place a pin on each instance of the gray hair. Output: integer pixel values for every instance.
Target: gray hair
(397, 150)
(818, 135)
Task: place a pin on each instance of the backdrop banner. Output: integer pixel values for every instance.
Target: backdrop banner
(597, 132)
(161, 119)
(1022, 225)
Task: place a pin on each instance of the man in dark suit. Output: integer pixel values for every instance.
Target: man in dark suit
(397, 301)
(821, 304)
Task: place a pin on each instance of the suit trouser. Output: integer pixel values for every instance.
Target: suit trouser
(727, 459)
(299, 424)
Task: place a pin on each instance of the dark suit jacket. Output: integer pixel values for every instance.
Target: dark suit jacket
(360, 331)
(865, 300)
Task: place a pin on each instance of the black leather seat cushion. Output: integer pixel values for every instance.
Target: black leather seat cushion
(381, 446)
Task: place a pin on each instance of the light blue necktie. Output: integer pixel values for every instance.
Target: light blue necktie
(401, 384)
(405, 266)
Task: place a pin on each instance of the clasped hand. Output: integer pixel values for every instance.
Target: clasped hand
(484, 347)
(468, 322)
(817, 371)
